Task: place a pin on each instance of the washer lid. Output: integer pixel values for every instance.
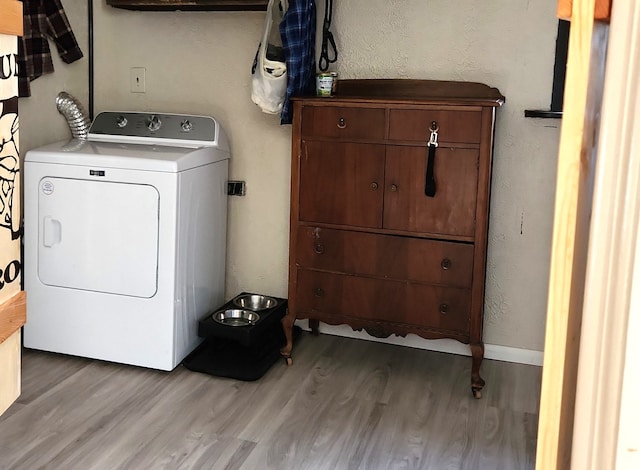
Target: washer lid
(126, 155)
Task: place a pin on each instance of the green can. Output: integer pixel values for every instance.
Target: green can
(324, 84)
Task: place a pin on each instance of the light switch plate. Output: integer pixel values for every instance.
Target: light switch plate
(138, 79)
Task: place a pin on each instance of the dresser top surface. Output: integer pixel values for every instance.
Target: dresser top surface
(414, 91)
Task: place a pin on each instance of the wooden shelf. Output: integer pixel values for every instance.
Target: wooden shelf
(602, 10)
(190, 5)
(11, 18)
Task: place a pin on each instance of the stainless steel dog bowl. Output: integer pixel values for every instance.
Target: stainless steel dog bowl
(255, 302)
(236, 317)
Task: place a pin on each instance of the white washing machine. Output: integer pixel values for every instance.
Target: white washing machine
(125, 238)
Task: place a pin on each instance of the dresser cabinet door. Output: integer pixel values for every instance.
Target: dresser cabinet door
(451, 211)
(342, 183)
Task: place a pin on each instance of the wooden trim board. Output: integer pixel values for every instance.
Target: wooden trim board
(491, 351)
(574, 196)
(191, 5)
(11, 17)
(13, 314)
(12, 317)
(9, 371)
(606, 421)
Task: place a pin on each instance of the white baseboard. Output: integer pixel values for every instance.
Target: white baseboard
(491, 351)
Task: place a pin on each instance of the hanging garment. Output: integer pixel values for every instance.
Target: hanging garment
(298, 31)
(43, 19)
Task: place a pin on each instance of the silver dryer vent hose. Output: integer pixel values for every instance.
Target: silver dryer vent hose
(75, 115)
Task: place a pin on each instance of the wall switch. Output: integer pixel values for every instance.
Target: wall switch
(138, 79)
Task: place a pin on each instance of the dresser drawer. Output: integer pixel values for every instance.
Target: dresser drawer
(454, 126)
(385, 256)
(347, 123)
(383, 300)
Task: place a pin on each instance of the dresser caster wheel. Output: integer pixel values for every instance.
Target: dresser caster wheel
(288, 361)
(477, 393)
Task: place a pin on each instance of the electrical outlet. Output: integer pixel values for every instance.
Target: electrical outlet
(236, 188)
(138, 79)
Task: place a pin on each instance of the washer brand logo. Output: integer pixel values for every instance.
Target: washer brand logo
(96, 173)
(47, 188)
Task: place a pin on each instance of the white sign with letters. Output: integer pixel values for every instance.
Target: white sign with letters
(10, 264)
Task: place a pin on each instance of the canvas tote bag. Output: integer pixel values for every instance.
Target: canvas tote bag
(269, 71)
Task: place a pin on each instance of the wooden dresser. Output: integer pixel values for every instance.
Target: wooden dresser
(390, 185)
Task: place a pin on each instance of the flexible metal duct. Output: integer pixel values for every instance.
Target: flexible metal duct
(75, 115)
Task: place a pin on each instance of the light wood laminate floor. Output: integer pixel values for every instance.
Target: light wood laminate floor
(344, 404)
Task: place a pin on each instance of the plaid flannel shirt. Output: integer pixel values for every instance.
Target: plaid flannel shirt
(43, 19)
(298, 32)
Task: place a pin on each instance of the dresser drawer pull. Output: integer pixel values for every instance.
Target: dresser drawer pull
(393, 188)
(374, 185)
(319, 292)
(445, 264)
(444, 309)
(342, 123)
(318, 248)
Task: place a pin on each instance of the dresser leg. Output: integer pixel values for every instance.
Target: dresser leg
(287, 327)
(315, 326)
(477, 383)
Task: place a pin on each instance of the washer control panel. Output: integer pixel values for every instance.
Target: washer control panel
(167, 129)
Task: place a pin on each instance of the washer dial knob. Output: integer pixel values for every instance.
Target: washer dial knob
(121, 121)
(186, 125)
(153, 123)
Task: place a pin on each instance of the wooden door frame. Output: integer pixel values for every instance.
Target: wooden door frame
(574, 195)
(607, 409)
(596, 332)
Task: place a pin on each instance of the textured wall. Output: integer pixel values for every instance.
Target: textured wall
(41, 121)
(199, 63)
(508, 44)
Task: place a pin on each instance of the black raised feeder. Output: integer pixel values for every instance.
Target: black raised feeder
(243, 337)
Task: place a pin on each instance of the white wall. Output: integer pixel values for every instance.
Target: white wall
(199, 63)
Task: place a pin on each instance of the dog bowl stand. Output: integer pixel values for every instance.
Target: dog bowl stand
(239, 352)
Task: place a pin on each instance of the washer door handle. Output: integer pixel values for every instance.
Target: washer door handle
(51, 231)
